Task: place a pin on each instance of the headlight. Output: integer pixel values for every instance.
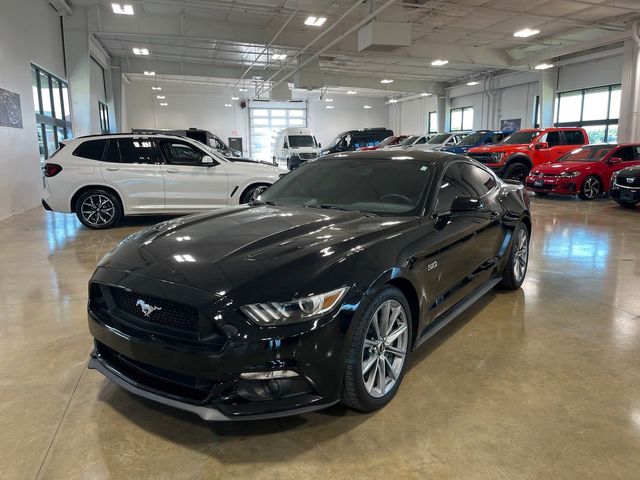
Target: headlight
(570, 174)
(299, 310)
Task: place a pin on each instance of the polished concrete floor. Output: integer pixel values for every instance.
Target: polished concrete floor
(535, 384)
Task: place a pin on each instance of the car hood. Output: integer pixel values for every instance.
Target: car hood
(456, 149)
(253, 247)
(561, 167)
(633, 171)
(498, 148)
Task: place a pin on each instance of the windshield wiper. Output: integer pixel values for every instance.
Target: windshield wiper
(330, 206)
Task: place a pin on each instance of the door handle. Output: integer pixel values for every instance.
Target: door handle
(112, 169)
(173, 170)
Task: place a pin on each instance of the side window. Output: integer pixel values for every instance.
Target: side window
(627, 154)
(574, 137)
(92, 149)
(636, 151)
(554, 139)
(477, 179)
(451, 187)
(133, 150)
(421, 141)
(219, 144)
(113, 153)
(495, 138)
(180, 153)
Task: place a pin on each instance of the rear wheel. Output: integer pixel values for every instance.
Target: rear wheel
(99, 209)
(516, 268)
(591, 188)
(377, 356)
(516, 171)
(251, 192)
(624, 203)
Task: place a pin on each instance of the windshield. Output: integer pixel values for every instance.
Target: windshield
(388, 141)
(591, 153)
(297, 141)
(409, 140)
(439, 139)
(211, 152)
(521, 137)
(371, 185)
(472, 139)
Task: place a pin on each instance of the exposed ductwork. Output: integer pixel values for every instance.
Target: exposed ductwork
(378, 36)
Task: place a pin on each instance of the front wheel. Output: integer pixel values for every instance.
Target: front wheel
(518, 261)
(591, 188)
(99, 209)
(516, 171)
(377, 356)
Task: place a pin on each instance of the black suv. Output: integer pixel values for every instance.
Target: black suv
(625, 186)
(355, 139)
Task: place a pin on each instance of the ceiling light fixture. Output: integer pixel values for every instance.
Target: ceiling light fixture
(386, 80)
(257, 77)
(125, 9)
(472, 83)
(156, 88)
(367, 107)
(351, 92)
(543, 66)
(227, 104)
(393, 100)
(149, 74)
(243, 90)
(438, 62)
(328, 100)
(235, 98)
(163, 104)
(279, 56)
(526, 32)
(425, 94)
(329, 107)
(160, 97)
(140, 51)
(315, 21)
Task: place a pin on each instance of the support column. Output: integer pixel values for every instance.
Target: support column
(629, 122)
(76, 42)
(548, 82)
(441, 112)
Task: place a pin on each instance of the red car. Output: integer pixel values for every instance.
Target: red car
(585, 171)
(387, 142)
(523, 150)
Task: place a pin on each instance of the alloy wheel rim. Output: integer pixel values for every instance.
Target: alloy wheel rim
(591, 188)
(519, 173)
(521, 256)
(385, 348)
(97, 210)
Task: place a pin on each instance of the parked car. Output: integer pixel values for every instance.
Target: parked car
(314, 293)
(295, 146)
(585, 171)
(204, 136)
(387, 142)
(625, 186)
(477, 138)
(355, 139)
(441, 140)
(517, 154)
(105, 177)
(410, 141)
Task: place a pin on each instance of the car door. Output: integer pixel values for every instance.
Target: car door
(133, 166)
(191, 185)
(465, 245)
(556, 147)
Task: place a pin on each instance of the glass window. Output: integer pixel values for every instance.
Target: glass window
(278, 113)
(569, 107)
(478, 178)
(65, 102)
(612, 134)
(627, 154)
(574, 137)
(113, 153)
(103, 111)
(265, 123)
(614, 109)
(45, 93)
(138, 151)
(50, 139)
(296, 141)
(597, 133)
(180, 153)
(467, 118)
(456, 119)
(522, 137)
(36, 91)
(596, 104)
(43, 152)
(92, 149)
(452, 186)
(296, 113)
(432, 123)
(57, 100)
(461, 119)
(587, 153)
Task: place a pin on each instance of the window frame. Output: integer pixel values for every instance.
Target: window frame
(167, 160)
(431, 129)
(103, 108)
(462, 112)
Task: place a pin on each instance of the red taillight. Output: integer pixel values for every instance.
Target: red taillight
(51, 169)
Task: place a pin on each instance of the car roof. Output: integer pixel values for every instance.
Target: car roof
(125, 135)
(417, 155)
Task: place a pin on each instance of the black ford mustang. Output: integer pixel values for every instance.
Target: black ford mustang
(314, 293)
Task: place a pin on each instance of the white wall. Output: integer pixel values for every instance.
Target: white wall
(29, 32)
(594, 73)
(97, 93)
(410, 117)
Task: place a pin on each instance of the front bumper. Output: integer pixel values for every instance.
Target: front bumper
(556, 185)
(203, 375)
(627, 194)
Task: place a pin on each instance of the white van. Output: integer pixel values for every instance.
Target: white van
(294, 146)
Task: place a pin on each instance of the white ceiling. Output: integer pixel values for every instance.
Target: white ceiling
(220, 38)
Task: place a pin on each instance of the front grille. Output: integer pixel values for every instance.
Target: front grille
(625, 183)
(307, 156)
(486, 157)
(166, 314)
(541, 187)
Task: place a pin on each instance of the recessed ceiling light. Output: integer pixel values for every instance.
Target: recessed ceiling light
(163, 104)
(472, 83)
(227, 104)
(156, 88)
(386, 80)
(235, 98)
(160, 97)
(526, 32)
(140, 51)
(243, 90)
(315, 21)
(543, 66)
(126, 9)
(351, 92)
(367, 106)
(257, 77)
(393, 100)
(329, 107)
(328, 100)
(279, 56)
(425, 94)
(149, 74)
(439, 62)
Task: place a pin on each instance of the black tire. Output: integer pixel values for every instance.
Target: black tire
(590, 188)
(247, 195)
(289, 164)
(541, 194)
(625, 204)
(516, 171)
(99, 209)
(510, 279)
(354, 392)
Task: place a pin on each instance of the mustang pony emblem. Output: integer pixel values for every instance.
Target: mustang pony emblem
(630, 180)
(146, 308)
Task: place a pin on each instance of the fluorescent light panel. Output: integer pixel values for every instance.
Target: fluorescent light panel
(329, 107)
(315, 21)
(543, 66)
(386, 80)
(140, 51)
(367, 107)
(425, 94)
(156, 88)
(149, 74)
(279, 56)
(351, 92)
(125, 9)
(160, 97)
(526, 32)
(393, 100)
(439, 62)
(235, 98)
(163, 104)
(472, 83)
(243, 90)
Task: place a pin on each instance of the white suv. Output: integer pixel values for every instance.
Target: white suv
(104, 177)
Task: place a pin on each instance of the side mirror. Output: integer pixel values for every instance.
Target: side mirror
(207, 160)
(614, 160)
(541, 146)
(465, 204)
(286, 145)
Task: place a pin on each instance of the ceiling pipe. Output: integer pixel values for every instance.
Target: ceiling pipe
(358, 25)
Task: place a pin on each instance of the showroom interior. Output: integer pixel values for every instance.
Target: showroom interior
(542, 381)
